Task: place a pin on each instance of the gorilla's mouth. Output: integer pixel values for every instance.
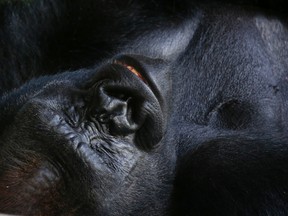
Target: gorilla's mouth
(126, 103)
(132, 69)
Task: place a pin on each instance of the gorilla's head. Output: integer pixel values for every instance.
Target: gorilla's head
(142, 108)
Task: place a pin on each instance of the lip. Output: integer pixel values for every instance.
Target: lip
(132, 69)
(134, 66)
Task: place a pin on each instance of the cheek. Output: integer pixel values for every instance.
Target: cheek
(29, 182)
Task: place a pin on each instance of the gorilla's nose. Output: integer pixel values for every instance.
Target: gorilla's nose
(116, 110)
(124, 104)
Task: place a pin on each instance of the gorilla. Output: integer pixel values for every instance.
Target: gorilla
(143, 107)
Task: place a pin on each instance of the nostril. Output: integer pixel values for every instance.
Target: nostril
(117, 110)
(124, 123)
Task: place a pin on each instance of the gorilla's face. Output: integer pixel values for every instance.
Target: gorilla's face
(131, 118)
(90, 134)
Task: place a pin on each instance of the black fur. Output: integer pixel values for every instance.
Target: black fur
(202, 130)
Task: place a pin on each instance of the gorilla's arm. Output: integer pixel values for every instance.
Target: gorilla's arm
(233, 176)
